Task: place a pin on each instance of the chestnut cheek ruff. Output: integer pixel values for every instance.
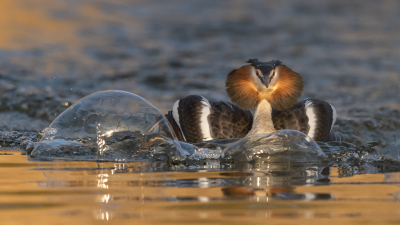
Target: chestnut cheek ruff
(288, 89)
(241, 88)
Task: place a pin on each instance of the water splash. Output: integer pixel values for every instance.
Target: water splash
(110, 125)
(284, 146)
(206, 153)
(120, 126)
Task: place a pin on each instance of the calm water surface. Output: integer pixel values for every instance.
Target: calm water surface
(213, 193)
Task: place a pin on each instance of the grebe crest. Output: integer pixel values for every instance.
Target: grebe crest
(271, 81)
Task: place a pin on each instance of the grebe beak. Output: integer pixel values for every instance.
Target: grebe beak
(265, 68)
(263, 79)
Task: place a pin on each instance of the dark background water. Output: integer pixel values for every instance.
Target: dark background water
(53, 53)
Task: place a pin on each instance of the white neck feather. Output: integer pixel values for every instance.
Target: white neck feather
(262, 122)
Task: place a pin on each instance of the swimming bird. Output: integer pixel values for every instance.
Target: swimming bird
(272, 89)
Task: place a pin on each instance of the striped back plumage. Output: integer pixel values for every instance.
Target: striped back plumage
(195, 119)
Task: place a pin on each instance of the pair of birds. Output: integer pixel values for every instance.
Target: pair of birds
(272, 89)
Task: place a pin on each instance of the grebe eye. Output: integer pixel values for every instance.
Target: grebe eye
(257, 73)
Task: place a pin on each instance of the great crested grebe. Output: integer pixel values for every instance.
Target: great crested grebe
(272, 89)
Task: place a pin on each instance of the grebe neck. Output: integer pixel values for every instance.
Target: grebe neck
(262, 122)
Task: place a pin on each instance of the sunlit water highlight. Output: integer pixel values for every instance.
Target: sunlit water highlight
(155, 192)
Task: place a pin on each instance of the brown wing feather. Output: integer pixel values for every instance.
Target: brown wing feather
(294, 118)
(229, 121)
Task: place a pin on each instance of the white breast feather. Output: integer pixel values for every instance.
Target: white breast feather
(204, 124)
(312, 119)
(334, 115)
(175, 114)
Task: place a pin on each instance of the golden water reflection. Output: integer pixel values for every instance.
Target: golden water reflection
(150, 193)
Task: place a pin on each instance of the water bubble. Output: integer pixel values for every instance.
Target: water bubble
(282, 146)
(110, 125)
(205, 153)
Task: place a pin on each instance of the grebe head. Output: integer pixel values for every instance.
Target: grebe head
(271, 81)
